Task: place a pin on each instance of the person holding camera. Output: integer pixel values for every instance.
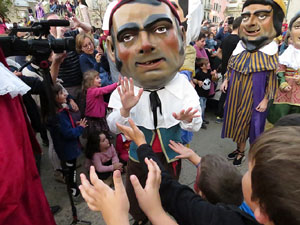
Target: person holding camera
(70, 71)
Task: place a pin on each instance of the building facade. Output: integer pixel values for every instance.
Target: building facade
(214, 10)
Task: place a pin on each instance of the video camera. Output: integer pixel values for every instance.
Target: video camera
(14, 46)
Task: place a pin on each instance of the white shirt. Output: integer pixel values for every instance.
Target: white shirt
(177, 95)
(290, 57)
(269, 49)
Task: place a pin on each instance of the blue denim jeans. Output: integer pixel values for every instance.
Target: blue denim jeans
(203, 105)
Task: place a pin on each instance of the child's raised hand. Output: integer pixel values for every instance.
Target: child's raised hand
(100, 197)
(184, 152)
(132, 133)
(148, 197)
(83, 123)
(128, 99)
(186, 115)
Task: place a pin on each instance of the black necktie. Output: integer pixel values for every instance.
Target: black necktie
(154, 103)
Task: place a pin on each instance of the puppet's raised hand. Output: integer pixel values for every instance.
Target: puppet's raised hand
(132, 133)
(128, 99)
(186, 115)
(113, 204)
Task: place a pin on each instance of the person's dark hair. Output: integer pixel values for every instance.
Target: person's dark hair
(237, 22)
(278, 14)
(220, 181)
(293, 20)
(289, 120)
(151, 2)
(56, 89)
(275, 157)
(93, 144)
(199, 62)
(201, 35)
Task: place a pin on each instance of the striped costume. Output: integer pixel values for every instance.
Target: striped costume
(251, 78)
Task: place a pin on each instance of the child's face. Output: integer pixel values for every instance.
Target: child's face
(61, 98)
(205, 66)
(97, 81)
(104, 142)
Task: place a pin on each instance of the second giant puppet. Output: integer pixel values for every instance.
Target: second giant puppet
(147, 44)
(251, 79)
(288, 95)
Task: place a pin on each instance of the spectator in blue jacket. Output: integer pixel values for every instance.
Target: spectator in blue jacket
(91, 59)
(65, 135)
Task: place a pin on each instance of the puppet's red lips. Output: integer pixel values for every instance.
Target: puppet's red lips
(150, 63)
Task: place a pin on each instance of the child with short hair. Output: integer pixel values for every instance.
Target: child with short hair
(65, 135)
(202, 82)
(102, 154)
(217, 181)
(95, 107)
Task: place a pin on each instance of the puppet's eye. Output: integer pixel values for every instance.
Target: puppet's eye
(297, 26)
(127, 37)
(161, 30)
(245, 18)
(262, 17)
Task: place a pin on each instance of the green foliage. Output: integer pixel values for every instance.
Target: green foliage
(4, 7)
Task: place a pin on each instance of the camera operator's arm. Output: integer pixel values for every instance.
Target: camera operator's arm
(83, 27)
(56, 59)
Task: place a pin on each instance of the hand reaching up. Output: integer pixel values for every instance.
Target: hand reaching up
(186, 115)
(132, 133)
(148, 197)
(185, 152)
(83, 123)
(113, 204)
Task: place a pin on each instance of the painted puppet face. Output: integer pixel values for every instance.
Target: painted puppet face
(295, 33)
(257, 27)
(147, 47)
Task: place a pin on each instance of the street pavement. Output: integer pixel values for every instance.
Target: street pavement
(204, 142)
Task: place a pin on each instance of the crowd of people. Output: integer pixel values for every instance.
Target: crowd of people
(138, 121)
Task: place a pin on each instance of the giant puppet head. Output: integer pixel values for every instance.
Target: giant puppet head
(262, 21)
(294, 28)
(146, 41)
